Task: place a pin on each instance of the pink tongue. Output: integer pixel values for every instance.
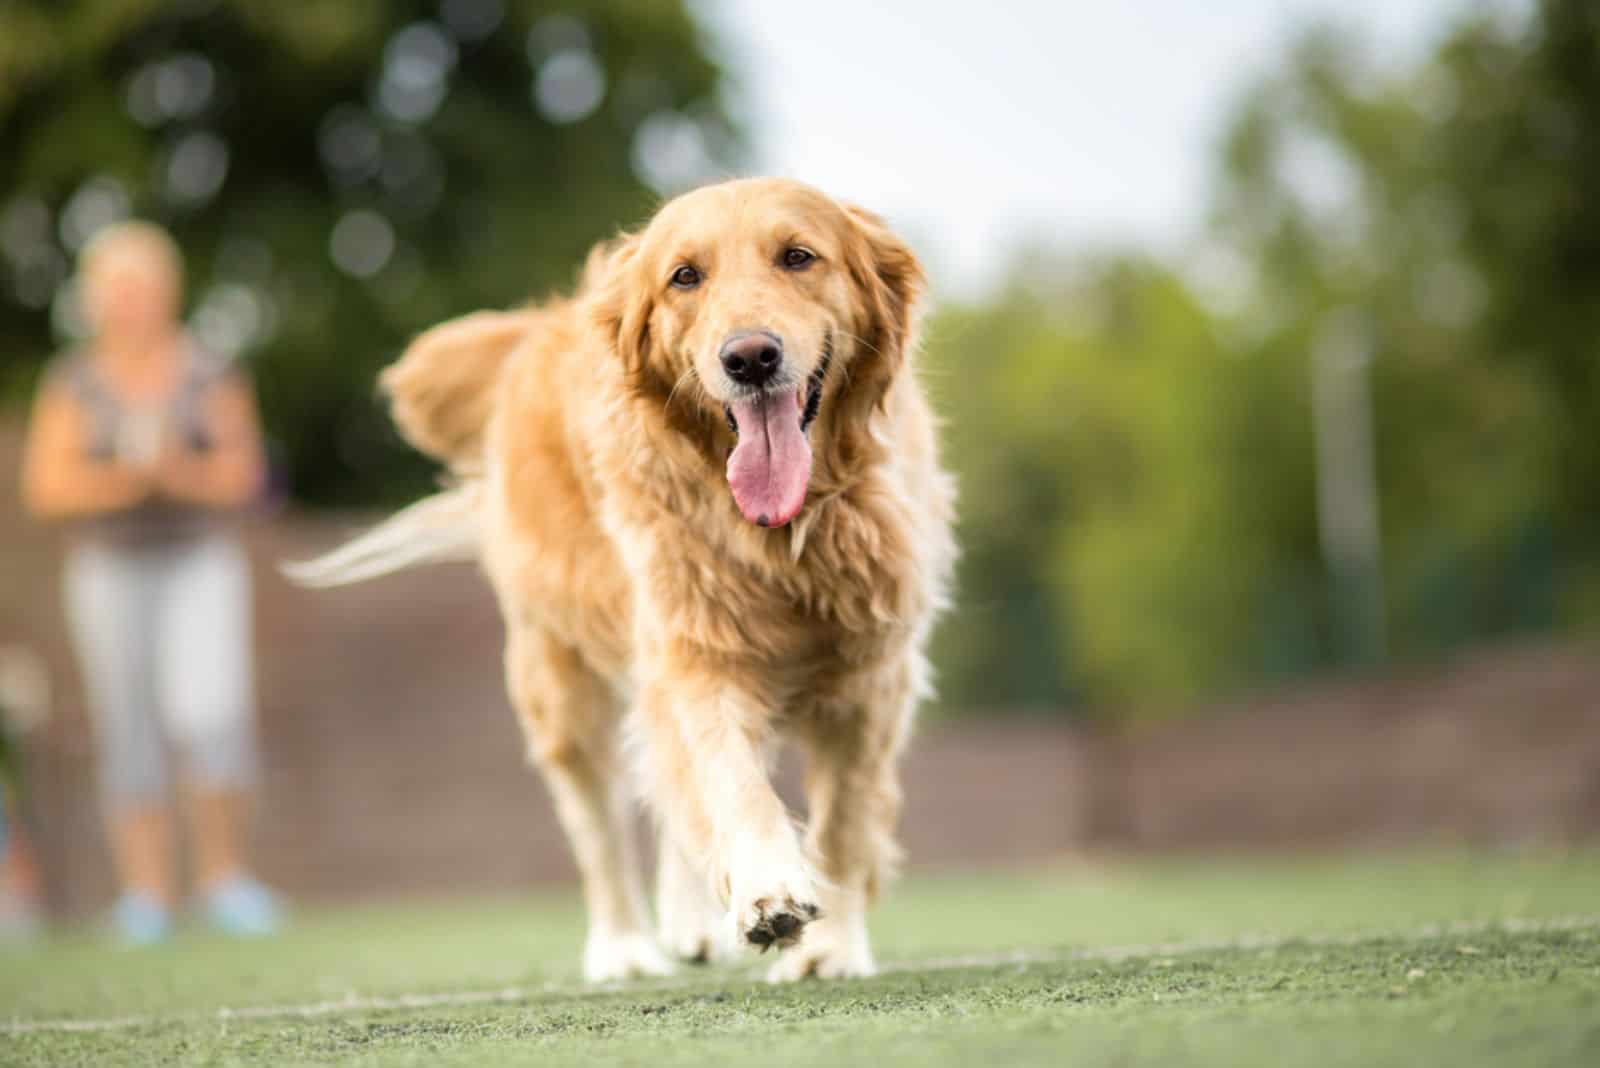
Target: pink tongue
(771, 466)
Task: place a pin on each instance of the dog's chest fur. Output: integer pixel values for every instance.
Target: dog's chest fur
(845, 592)
(838, 594)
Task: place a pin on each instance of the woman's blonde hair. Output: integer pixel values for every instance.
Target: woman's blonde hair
(135, 236)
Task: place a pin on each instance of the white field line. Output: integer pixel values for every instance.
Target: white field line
(357, 1003)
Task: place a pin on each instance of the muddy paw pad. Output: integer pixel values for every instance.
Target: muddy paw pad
(780, 925)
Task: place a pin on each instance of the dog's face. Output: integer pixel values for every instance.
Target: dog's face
(768, 305)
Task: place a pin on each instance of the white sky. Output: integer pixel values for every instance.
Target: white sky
(976, 125)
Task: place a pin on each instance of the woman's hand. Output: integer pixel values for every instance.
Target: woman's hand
(58, 480)
(205, 478)
(182, 474)
(229, 473)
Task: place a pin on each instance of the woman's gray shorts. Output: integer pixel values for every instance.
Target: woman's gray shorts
(163, 637)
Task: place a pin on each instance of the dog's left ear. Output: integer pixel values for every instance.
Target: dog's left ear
(891, 282)
(621, 307)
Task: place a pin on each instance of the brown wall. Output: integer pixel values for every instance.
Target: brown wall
(393, 765)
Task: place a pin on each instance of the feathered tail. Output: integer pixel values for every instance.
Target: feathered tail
(443, 527)
(441, 394)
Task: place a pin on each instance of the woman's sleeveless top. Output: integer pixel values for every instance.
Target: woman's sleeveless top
(156, 521)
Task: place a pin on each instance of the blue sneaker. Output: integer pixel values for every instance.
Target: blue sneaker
(244, 908)
(141, 920)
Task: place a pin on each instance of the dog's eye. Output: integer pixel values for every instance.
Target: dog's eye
(686, 277)
(795, 258)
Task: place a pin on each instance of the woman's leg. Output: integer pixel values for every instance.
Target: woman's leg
(109, 608)
(219, 820)
(206, 684)
(143, 838)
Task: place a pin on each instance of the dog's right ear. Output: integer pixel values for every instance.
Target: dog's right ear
(621, 305)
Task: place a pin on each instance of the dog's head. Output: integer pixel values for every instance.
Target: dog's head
(765, 306)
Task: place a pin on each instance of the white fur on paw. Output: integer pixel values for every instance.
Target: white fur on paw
(774, 913)
(610, 957)
(699, 936)
(830, 950)
(692, 923)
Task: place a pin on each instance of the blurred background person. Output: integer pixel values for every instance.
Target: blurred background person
(142, 442)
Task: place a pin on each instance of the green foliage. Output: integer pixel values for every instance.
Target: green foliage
(1129, 486)
(1421, 204)
(1139, 468)
(279, 140)
(1523, 160)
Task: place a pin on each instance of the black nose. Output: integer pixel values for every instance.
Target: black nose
(752, 359)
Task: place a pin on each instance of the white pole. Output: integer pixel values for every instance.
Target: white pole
(1347, 485)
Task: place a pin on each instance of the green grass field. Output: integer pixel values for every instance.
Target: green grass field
(1451, 959)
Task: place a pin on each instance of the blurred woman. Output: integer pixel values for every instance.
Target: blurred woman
(142, 442)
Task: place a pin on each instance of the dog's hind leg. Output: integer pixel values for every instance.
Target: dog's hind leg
(571, 720)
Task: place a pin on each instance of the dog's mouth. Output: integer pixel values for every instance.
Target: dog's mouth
(770, 466)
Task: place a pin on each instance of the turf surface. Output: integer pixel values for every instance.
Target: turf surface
(1458, 960)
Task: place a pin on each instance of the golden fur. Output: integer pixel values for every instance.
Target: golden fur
(592, 431)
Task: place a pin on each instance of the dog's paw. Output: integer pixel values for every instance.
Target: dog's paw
(611, 957)
(830, 950)
(772, 896)
(697, 939)
(691, 922)
(769, 922)
(776, 916)
(701, 944)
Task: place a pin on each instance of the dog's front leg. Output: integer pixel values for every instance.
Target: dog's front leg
(703, 758)
(688, 915)
(853, 792)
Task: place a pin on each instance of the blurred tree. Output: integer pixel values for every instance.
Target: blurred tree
(1139, 468)
(1441, 208)
(1133, 492)
(1522, 155)
(340, 175)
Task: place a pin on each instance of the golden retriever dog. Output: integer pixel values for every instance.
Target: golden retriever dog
(706, 491)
